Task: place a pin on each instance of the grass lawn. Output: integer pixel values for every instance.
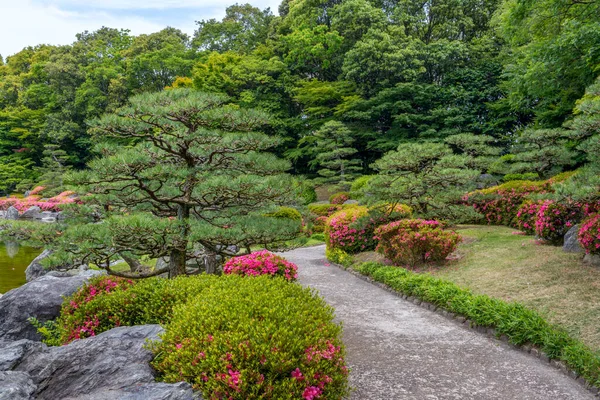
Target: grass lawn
(496, 262)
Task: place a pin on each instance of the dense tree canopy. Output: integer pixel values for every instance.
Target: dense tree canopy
(392, 72)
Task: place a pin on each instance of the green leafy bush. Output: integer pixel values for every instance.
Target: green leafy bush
(254, 338)
(339, 198)
(106, 302)
(340, 257)
(321, 212)
(519, 324)
(307, 193)
(415, 241)
(527, 176)
(356, 189)
(286, 213)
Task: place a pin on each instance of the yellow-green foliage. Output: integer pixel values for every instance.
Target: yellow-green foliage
(339, 256)
(287, 213)
(254, 338)
(359, 184)
(518, 186)
(397, 211)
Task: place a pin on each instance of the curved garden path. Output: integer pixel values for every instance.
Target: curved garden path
(398, 350)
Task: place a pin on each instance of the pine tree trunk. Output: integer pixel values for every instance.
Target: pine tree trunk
(177, 257)
(210, 262)
(176, 263)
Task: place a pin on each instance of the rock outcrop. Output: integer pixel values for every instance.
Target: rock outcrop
(41, 298)
(35, 269)
(571, 243)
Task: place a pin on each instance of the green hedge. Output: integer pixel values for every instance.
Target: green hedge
(521, 325)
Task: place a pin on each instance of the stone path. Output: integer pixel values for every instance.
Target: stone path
(398, 350)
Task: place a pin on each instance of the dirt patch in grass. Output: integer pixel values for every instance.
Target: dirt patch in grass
(513, 267)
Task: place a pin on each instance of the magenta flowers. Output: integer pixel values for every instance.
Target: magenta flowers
(261, 263)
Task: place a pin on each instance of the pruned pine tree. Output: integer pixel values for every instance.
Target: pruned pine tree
(335, 154)
(180, 173)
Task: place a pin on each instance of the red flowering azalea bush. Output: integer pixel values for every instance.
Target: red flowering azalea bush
(415, 241)
(340, 232)
(526, 216)
(589, 234)
(261, 263)
(554, 219)
(256, 338)
(339, 198)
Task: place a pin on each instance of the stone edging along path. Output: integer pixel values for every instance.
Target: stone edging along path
(401, 348)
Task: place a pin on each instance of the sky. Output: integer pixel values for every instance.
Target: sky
(31, 22)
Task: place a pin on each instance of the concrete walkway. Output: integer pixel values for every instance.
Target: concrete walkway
(397, 350)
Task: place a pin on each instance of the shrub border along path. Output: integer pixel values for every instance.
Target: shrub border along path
(397, 349)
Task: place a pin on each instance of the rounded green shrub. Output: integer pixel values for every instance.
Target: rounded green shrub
(286, 213)
(307, 193)
(254, 338)
(106, 302)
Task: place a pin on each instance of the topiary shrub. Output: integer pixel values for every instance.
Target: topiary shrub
(255, 338)
(261, 263)
(526, 216)
(416, 241)
(286, 213)
(527, 176)
(339, 198)
(554, 219)
(589, 234)
(341, 234)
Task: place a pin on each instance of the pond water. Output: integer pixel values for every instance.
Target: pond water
(14, 259)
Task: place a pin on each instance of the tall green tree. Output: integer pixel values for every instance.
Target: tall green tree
(180, 173)
(335, 155)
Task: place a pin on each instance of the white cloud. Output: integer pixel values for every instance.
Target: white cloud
(31, 22)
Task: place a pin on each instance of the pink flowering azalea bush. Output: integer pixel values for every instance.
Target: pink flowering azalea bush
(255, 338)
(499, 204)
(340, 232)
(554, 219)
(339, 198)
(321, 212)
(412, 242)
(261, 263)
(33, 200)
(526, 216)
(589, 234)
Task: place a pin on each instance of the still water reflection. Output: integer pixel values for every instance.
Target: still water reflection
(14, 259)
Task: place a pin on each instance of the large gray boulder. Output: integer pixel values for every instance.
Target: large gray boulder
(11, 213)
(13, 352)
(16, 386)
(35, 269)
(31, 213)
(41, 298)
(112, 365)
(571, 243)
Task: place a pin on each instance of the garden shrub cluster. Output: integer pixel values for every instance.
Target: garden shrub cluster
(231, 337)
(321, 212)
(521, 325)
(499, 204)
(340, 232)
(526, 216)
(255, 339)
(554, 219)
(589, 234)
(416, 241)
(261, 263)
(356, 189)
(339, 198)
(35, 200)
